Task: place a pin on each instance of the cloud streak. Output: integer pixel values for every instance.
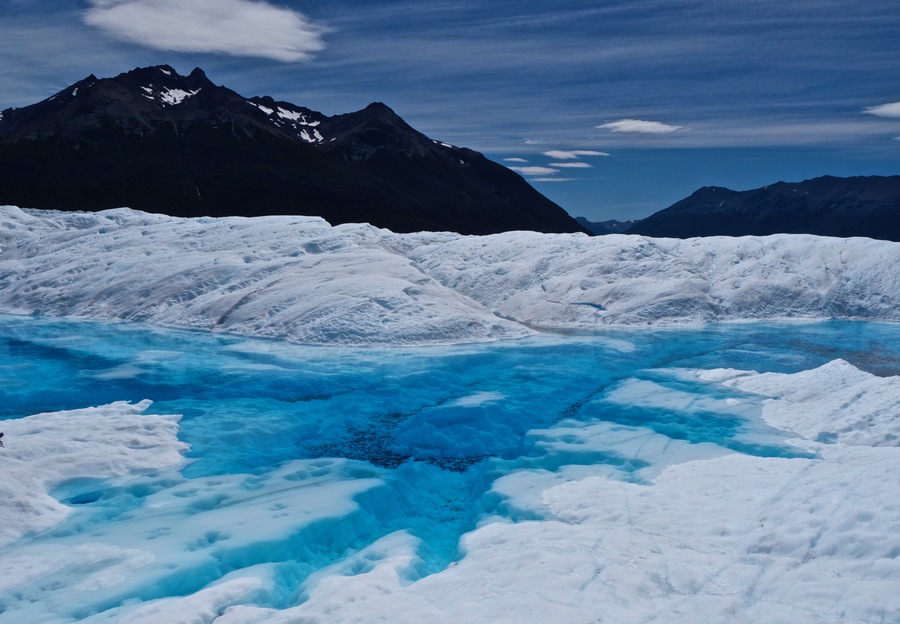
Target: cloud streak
(639, 126)
(571, 165)
(234, 27)
(572, 154)
(535, 171)
(884, 110)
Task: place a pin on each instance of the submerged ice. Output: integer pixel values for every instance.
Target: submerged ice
(720, 474)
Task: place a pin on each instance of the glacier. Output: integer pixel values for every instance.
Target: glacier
(299, 279)
(374, 427)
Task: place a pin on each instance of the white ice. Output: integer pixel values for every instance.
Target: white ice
(46, 450)
(185, 527)
(300, 279)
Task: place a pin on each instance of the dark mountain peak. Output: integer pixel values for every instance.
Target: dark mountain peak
(375, 114)
(156, 140)
(167, 70)
(380, 109)
(374, 130)
(163, 77)
(709, 190)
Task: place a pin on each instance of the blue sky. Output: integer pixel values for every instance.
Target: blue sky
(613, 109)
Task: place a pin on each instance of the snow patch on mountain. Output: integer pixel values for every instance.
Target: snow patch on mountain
(300, 279)
(301, 123)
(176, 96)
(265, 109)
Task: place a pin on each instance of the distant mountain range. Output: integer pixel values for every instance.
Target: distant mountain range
(157, 141)
(828, 206)
(606, 227)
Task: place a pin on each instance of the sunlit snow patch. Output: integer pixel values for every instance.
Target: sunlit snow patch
(176, 96)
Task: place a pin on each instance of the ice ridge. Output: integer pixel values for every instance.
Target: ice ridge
(300, 279)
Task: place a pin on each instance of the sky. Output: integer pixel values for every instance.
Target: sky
(614, 109)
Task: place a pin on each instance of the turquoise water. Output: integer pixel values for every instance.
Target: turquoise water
(438, 425)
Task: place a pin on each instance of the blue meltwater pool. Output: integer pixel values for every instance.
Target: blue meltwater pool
(312, 460)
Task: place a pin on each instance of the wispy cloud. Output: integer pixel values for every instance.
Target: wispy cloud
(234, 27)
(572, 154)
(535, 171)
(884, 110)
(516, 160)
(553, 179)
(571, 165)
(639, 126)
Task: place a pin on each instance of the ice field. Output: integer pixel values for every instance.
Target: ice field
(723, 473)
(299, 279)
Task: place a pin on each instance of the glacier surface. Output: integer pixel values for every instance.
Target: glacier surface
(626, 475)
(297, 278)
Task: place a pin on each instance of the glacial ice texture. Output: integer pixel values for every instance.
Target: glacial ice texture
(299, 279)
(736, 473)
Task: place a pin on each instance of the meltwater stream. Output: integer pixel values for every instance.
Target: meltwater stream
(307, 460)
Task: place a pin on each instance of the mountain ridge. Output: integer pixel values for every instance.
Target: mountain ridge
(866, 206)
(154, 140)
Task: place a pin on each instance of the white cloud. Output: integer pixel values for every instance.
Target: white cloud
(535, 171)
(639, 126)
(884, 110)
(572, 154)
(553, 179)
(516, 160)
(234, 27)
(571, 165)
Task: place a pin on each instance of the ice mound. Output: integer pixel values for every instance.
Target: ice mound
(44, 451)
(568, 280)
(284, 277)
(300, 279)
(835, 403)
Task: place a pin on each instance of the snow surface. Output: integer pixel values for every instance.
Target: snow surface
(265, 109)
(176, 96)
(698, 535)
(300, 279)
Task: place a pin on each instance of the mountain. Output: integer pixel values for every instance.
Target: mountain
(606, 227)
(829, 206)
(156, 141)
